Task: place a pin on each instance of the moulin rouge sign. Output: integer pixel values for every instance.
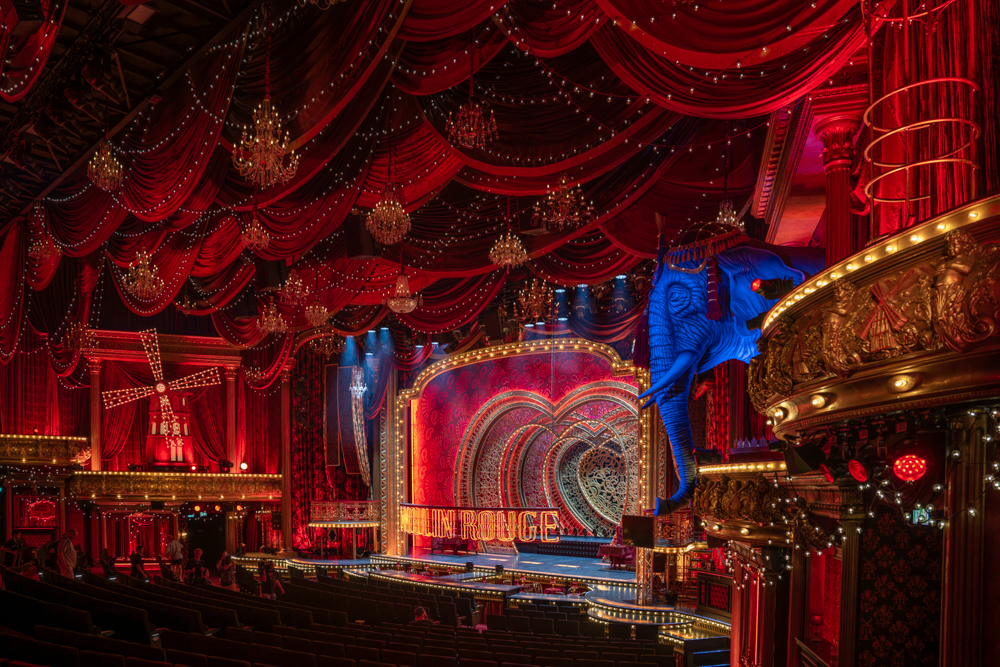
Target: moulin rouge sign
(505, 524)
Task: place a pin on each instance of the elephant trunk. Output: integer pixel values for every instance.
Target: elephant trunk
(673, 407)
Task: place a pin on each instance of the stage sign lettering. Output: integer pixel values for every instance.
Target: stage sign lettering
(505, 524)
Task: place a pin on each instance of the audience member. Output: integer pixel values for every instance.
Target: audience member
(420, 616)
(227, 572)
(66, 554)
(136, 559)
(15, 551)
(194, 571)
(270, 584)
(175, 553)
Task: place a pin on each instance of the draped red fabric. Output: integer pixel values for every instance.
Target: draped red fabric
(117, 423)
(207, 427)
(610, 93)
(25, 55)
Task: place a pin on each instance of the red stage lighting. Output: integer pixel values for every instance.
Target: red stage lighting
(771, 289)
(858, 470)
(755, 285)
(825, 469)
(909, 467)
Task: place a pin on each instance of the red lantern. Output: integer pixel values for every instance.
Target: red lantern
(909, 467)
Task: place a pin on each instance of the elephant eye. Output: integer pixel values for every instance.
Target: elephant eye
(677, 297)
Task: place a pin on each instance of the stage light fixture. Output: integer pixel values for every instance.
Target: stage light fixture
(835, 470)
(859, 470)
(218, 508)
(194, 468)
(909, 467)
(244, 466)
(804, 458)
(773, 288)
(197, 508)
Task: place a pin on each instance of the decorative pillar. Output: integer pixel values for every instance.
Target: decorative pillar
(962, 586)
(286, 455)
(767, 595)
(796, 605)
(850, 576)
(230, 373)
(837, 134)
(95, 413)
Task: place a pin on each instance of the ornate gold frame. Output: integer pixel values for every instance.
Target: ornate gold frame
(394, 447)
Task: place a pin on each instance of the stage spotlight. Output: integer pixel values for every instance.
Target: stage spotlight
(909, 467)
(218, 508)
(804, 458)
(197, 508)
(772, 289)
(225, 466)
(243, 466)
(835, 470)
(194, 468)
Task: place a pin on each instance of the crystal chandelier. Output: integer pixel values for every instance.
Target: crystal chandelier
(328, 345)
(104, 170)
(44, 250)
(260, 158)
(727, 215)
(141, 278)
(402, 301)
(78, 336)
(473, 128)
(508, 252)
(563, 207)
(316, 313)
(294, 291)
(255, 237)
(388, 222)
(535, 301)
(270, 321)
(357, 386)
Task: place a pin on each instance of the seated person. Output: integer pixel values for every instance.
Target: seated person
(420, 616)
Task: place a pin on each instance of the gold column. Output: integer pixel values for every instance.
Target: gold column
(286, 456)
(95, 413)
(230, 373)
(964, 534)
(850, 571)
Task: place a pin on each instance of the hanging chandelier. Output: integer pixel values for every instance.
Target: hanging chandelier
(473, 128)
(78, 336)
(328, 345)
(402, 301)
(563, 207)
(727, 215)
(255, 237)
(270, 321)
(260, 157)
(508, 252)
(535, 301)
(357, 386)
(294, 291)
(41, 252)
(388, 222)
(141, 278)
(316, 313)
(104, 170)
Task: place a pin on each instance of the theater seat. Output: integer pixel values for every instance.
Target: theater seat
(141, 662)
(186, 658)
(95, 659)
(332, 661)
(216, 661)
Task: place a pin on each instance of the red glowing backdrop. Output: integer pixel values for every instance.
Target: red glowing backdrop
(536, 430)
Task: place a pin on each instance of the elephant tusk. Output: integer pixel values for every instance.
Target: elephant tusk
(681, 364)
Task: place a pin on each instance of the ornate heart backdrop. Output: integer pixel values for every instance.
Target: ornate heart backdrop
(540, 430)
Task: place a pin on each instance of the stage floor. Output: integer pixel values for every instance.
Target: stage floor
(536, 564)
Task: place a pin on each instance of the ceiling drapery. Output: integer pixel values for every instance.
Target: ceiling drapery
(624, 97)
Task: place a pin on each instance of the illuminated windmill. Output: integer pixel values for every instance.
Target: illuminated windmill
(167, 393)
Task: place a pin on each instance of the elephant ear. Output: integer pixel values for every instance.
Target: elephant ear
(741, 266)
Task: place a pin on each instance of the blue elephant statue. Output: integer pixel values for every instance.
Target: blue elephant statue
(699, 307)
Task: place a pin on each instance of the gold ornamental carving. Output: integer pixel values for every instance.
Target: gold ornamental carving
(754, 500)
(931, 305)
(346, 512)
(41, 449)
(175, 486)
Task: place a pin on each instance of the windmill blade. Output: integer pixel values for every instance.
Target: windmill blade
(152, 349)
(167, 412)
(116, 397)
(204, 378)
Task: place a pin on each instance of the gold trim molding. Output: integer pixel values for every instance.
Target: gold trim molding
(42, 449)
(915, 327)
(104, 485)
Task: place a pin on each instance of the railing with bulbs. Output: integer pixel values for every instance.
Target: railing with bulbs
(910, 322)
(36, 449)
(178, 486)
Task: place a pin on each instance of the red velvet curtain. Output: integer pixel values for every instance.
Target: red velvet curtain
(610, 93)
(208, 427)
